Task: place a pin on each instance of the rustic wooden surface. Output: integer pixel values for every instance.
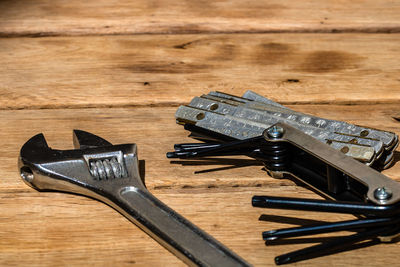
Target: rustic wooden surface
(120, 69)
(44, 18)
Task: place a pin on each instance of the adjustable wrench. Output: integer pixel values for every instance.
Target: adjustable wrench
(109, 173)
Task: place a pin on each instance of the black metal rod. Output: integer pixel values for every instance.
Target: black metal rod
(200, 153)
(328, 228)
(322, 205)
(325, 248)
(194, 146)
(231, 148)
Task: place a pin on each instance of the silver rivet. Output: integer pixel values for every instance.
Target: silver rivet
(382, 193)
(275, 131)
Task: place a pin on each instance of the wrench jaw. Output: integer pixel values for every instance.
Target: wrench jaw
(83, 140)
(28, 161)
(96, 169)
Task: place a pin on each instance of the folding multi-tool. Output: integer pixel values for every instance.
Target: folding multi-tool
(333, 157)
(222, 117)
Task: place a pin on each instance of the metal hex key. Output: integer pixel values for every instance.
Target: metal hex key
(109, 173)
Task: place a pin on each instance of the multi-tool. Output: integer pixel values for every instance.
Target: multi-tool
(110, 173)
(333, 157)
(222, 117)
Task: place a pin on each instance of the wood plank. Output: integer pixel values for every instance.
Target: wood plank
(155, 132)
(59, 229)
(39, 228)
(74, 17)
(169, 70)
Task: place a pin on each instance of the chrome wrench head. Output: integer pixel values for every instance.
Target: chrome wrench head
(94, 168)
(110, 173)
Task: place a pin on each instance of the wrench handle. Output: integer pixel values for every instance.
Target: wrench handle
(188, 242)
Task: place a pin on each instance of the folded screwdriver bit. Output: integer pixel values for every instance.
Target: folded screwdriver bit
(222, 117)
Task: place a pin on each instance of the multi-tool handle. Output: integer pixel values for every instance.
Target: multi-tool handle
(343, 177)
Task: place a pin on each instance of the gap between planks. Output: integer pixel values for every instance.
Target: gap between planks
(57, 17)
(177, 104)
(374, 30)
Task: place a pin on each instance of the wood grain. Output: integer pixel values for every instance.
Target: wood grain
(39, 228)
(45, 17)
(158, 70)
(120, 68)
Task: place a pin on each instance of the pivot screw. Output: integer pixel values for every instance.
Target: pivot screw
(275, 131)
(382, 193)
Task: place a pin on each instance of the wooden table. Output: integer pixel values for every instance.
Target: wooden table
(120, 69)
